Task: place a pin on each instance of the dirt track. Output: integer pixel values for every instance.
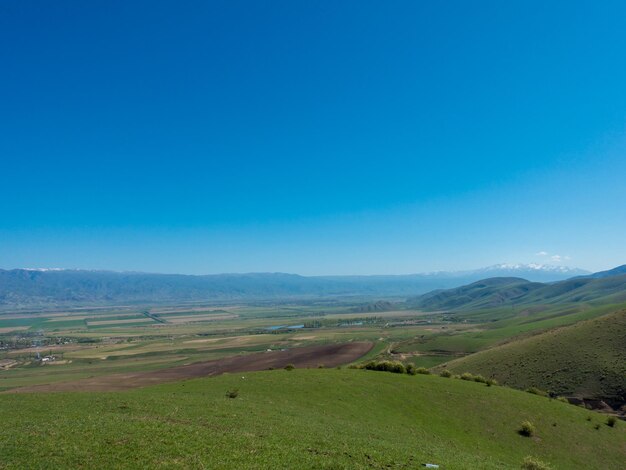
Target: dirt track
(330, 355)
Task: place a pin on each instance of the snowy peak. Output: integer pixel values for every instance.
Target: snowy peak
(534, 267)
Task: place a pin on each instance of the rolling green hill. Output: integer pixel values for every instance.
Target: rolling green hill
(487, 293)
(494, 292)
(587, 360)
(304, 419)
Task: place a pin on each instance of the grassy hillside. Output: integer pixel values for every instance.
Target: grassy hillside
(304, 419)
(482, 294)
(587, 359)
(495, 292)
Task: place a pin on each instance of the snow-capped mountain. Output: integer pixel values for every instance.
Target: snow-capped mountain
(530, 272)
(534, 267)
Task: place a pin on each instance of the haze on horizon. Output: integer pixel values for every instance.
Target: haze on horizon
(322, 138)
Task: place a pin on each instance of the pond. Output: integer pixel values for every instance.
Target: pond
(284, 327)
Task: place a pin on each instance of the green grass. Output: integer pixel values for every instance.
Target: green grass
(303, 419)
(587, 359)
(489, 328)
(428, 361)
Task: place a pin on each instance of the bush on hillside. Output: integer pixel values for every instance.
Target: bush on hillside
(467, 376)
(445, 373)
(563, 399)
(531, 463)
(491, 382)
(411, 369)
(611, 421)
(290, 367)
(527, 429)
(423, 371)
(232, 393)
(480, 379)
(386, 366)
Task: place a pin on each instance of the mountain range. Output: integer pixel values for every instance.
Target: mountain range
(25, 287)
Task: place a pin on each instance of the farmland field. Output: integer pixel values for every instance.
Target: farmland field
(125, 339)
(116, 340)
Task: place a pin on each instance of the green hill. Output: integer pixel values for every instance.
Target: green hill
(304, 419)
(487, 293)
(495, 292)
(587, 359)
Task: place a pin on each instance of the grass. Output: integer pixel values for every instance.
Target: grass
(587, 359)
(314, 418)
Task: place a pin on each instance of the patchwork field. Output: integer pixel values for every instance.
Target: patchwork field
(101, 344)
(329, 355)
(93, 344)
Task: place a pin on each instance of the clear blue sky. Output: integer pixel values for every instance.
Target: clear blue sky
(311, 137)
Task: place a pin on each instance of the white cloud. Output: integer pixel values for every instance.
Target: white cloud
(556, 258)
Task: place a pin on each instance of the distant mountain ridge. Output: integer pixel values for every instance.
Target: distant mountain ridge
(610, 273)
(606, 286)
(54, 286)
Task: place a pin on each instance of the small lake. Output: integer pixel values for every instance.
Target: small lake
(284, 327)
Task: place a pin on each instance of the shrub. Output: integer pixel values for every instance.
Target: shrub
(480, 379)
(423, 371)
(597, 426)
(467, 376)
(445, 373)
(527, 429)
(411, 370)
(338, 367)
(491, 382)
(563, 399)
(232, 393)
(531, 463)
(320, 366)
(386, 366)
(611, 421)
(536, 391)
(353, 366)
(290, 367)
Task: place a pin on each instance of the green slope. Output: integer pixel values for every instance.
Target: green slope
(587, 359)
(304, 419)
(495, 292)
(487, 293)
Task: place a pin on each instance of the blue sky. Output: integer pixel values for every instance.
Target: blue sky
(312, 137)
